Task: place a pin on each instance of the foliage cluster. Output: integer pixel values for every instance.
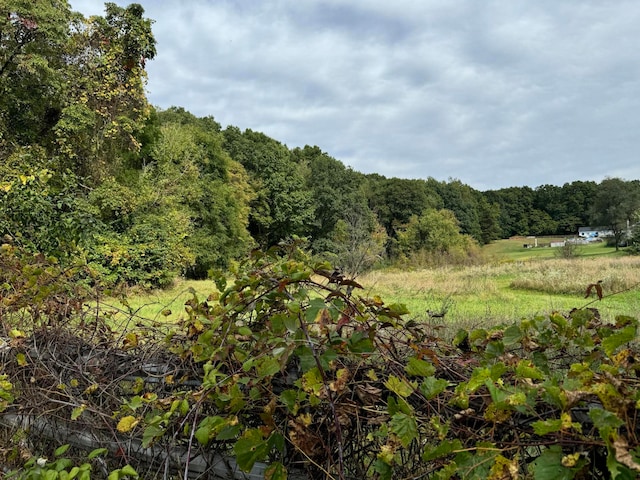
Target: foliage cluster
(292, 373)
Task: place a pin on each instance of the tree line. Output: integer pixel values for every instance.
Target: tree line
(90, 170)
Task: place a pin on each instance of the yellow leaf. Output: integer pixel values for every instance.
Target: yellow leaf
(91, 388)
(73, 382)
(386, 454)
(570, 460)
(76, 412)
(16, 334)
(131, 340)
(371, 375)
(126, 424)
(305, 419)
(22, 360)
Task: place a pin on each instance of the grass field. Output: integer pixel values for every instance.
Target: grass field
(514, 283)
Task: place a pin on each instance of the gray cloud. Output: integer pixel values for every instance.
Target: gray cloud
(493, 93)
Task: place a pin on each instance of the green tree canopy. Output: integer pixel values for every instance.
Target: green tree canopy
(615, 205)
(396, 200)
(435, 233)
(282, 206)
(34, 40)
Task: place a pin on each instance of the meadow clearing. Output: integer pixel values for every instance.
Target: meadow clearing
(512, 284)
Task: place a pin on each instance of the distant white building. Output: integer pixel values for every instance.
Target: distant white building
(594, 232)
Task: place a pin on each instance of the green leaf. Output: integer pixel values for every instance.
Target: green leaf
(245, 331)
(478, 379)
(383, 469)
(307, 360)
(291, 323)
(431, 387)
(229, 432)
(267, 367)
(548, 466)
(327, 357)
(617, 471)
(76, 412)
(612, 342)
(559, 321)
(605, 421)
(526, 369)
(512, 335)
(360, 343)
(129, 471)
(398, 309)
(419, 368)
(316, 305)
(461, 336)
(61, 450)
(203, 434)
(494, 349)
(444, 448)
(290, 400)
(543, 427)
(405, 427)
(400, 386)
(150, 434)
(250, 448)
(97, 452)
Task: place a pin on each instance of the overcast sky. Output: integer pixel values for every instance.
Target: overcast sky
(493, 93)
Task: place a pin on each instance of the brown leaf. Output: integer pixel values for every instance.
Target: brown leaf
(594, 286)
(350, 283)
(368, 394)
(621, 446)
(303, 438)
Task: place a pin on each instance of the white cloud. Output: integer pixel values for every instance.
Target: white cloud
(494, 93)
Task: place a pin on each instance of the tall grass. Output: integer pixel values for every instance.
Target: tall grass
(503, 292)
(572, 276)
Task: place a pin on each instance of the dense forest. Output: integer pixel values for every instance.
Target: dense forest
(89, 169)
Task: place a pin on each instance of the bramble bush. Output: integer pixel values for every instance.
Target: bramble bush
(291, 371)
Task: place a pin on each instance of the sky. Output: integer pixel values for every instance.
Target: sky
(493, 93)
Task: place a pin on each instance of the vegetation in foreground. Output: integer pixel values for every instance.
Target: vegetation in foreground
(291, 373)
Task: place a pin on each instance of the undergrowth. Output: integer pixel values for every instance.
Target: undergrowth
(292, 371)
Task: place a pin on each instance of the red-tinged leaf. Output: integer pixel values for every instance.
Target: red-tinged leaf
(275, 471)
(344, 320)
(350, 283)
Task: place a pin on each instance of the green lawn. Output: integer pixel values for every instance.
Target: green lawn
(166, 305)
(513, 249)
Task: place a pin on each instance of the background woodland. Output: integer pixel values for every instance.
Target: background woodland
(89, 169)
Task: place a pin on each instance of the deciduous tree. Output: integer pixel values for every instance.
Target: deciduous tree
(614, 206)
